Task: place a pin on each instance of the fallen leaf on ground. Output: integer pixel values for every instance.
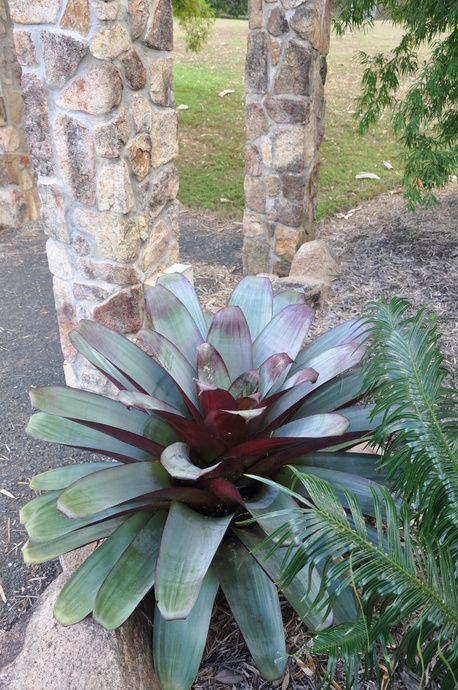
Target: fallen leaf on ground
(387, 165)
(3, 595)
(349, 213)
(226, 92)
(183, 106)
(5, 492)
(367, 176)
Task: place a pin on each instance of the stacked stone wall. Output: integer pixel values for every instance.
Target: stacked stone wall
(99, 110)
(285, 75)
(18, 195)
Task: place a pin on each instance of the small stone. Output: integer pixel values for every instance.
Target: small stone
(293, 186)
(294, 72)
(256, 62)
(159, 31)
(59, 259)
(287, 110)
(164, 125)
(92, 292)
(277, 23)
(24, 48)
(289, 149)
(80, 244)
(139, 152)
(114, 189)
(67, 319)
(156, 251)
(9, 139)
(36, 119)
(306, 23)
(253, 160)
(141, 113)
(122, 312)
(116, 237)
(76, 16)
(110, 138)
(255, 194)
(314, 260)
(106, 11)
(34, 11)
(53, 212)
(255, 121)
(275, 51)
(255, 14)
(97, 91)
(75, 149)
(91, 269)
(273, 185)
(134, 70)
(138, 14)
(287, 212)
(13, 208)
(161, 82)
(162, 188)
(61, 56)
(287, 240)
(110, 43)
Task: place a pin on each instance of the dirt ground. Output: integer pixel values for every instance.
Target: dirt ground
(384, 251)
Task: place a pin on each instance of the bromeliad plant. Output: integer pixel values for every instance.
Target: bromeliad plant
(204, 401)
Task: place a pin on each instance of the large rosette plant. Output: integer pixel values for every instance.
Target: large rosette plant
(203, 401)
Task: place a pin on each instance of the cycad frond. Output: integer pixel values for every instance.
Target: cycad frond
(419, 413)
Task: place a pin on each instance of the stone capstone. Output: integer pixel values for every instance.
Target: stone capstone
(75, 150)
(110, 43)
(96, 91)
(159, 30)
(61, 56)
(37, 123)
(134, 70)
(76, 16)
(114, 189)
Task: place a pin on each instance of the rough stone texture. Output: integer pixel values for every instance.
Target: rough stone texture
(37, 123)
(35, 12)
(91, 269)
(59, 259)
(97, 91)
(163, 188)
(61, 56)
(110, 138)
(138, 14)
(76, 16)
(141, 114)
(13, 208)
(160, 250)
(110, 43)
(314, 261)
(116, 236)
(139, 152)
(134, 70)
(161, 82)
(114, 189)
(159, 31)
(164, 125)
(44, 655)
(106, 11)
(25, 48)
(75, 151)
(53, 212)
(67, 319)
(285, 74)
(122, 312)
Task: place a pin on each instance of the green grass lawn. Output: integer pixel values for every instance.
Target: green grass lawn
(212, 136)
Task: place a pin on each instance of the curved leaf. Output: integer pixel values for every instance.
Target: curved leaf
(332, 395)
(188, 545)
(230, 336)
(110, 487)
(31, 507)
(77, 598)
(253, 600)
(363, 464)
(350, 331)
(101, 363)
(180, 286)
(178, 645)
(178, 464)
(131, 577)
(61, 477)
(273, 372)
(315, 426)
(273, 508)
(284, 333)
(286, 298)
(211, 369)
(254, 296)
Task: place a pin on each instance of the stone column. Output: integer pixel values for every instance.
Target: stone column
(18, 195)
(99, 107)
(285, 73)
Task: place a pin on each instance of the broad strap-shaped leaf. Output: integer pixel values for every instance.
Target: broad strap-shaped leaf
(224, 490)
(272, 509)
(287, 297)
(107, 488)
(333, 394)
(146, 402)
(77, 598)
(286, 404)
(273, 371)
(46, 427)
(285, 333)
(38, 503)
(172, 320)
(350, 331)
(172, 361)
(84, 406)
(61, 477)
(39, 552)
(360, 417)
(131, 577)
(230, 336)
(315, 426)
(130, 359)
(253, 600)
(211, 370)
(177, 462)
(189, 543)
(335, 361)
(101, 363)
(246, 384)
(180, 286)
(304, 589)
(363, 464)
(178, 645)
(254, 296)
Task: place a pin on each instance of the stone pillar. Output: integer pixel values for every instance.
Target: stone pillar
(18, 195)
(285, 73)
(99, 107)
